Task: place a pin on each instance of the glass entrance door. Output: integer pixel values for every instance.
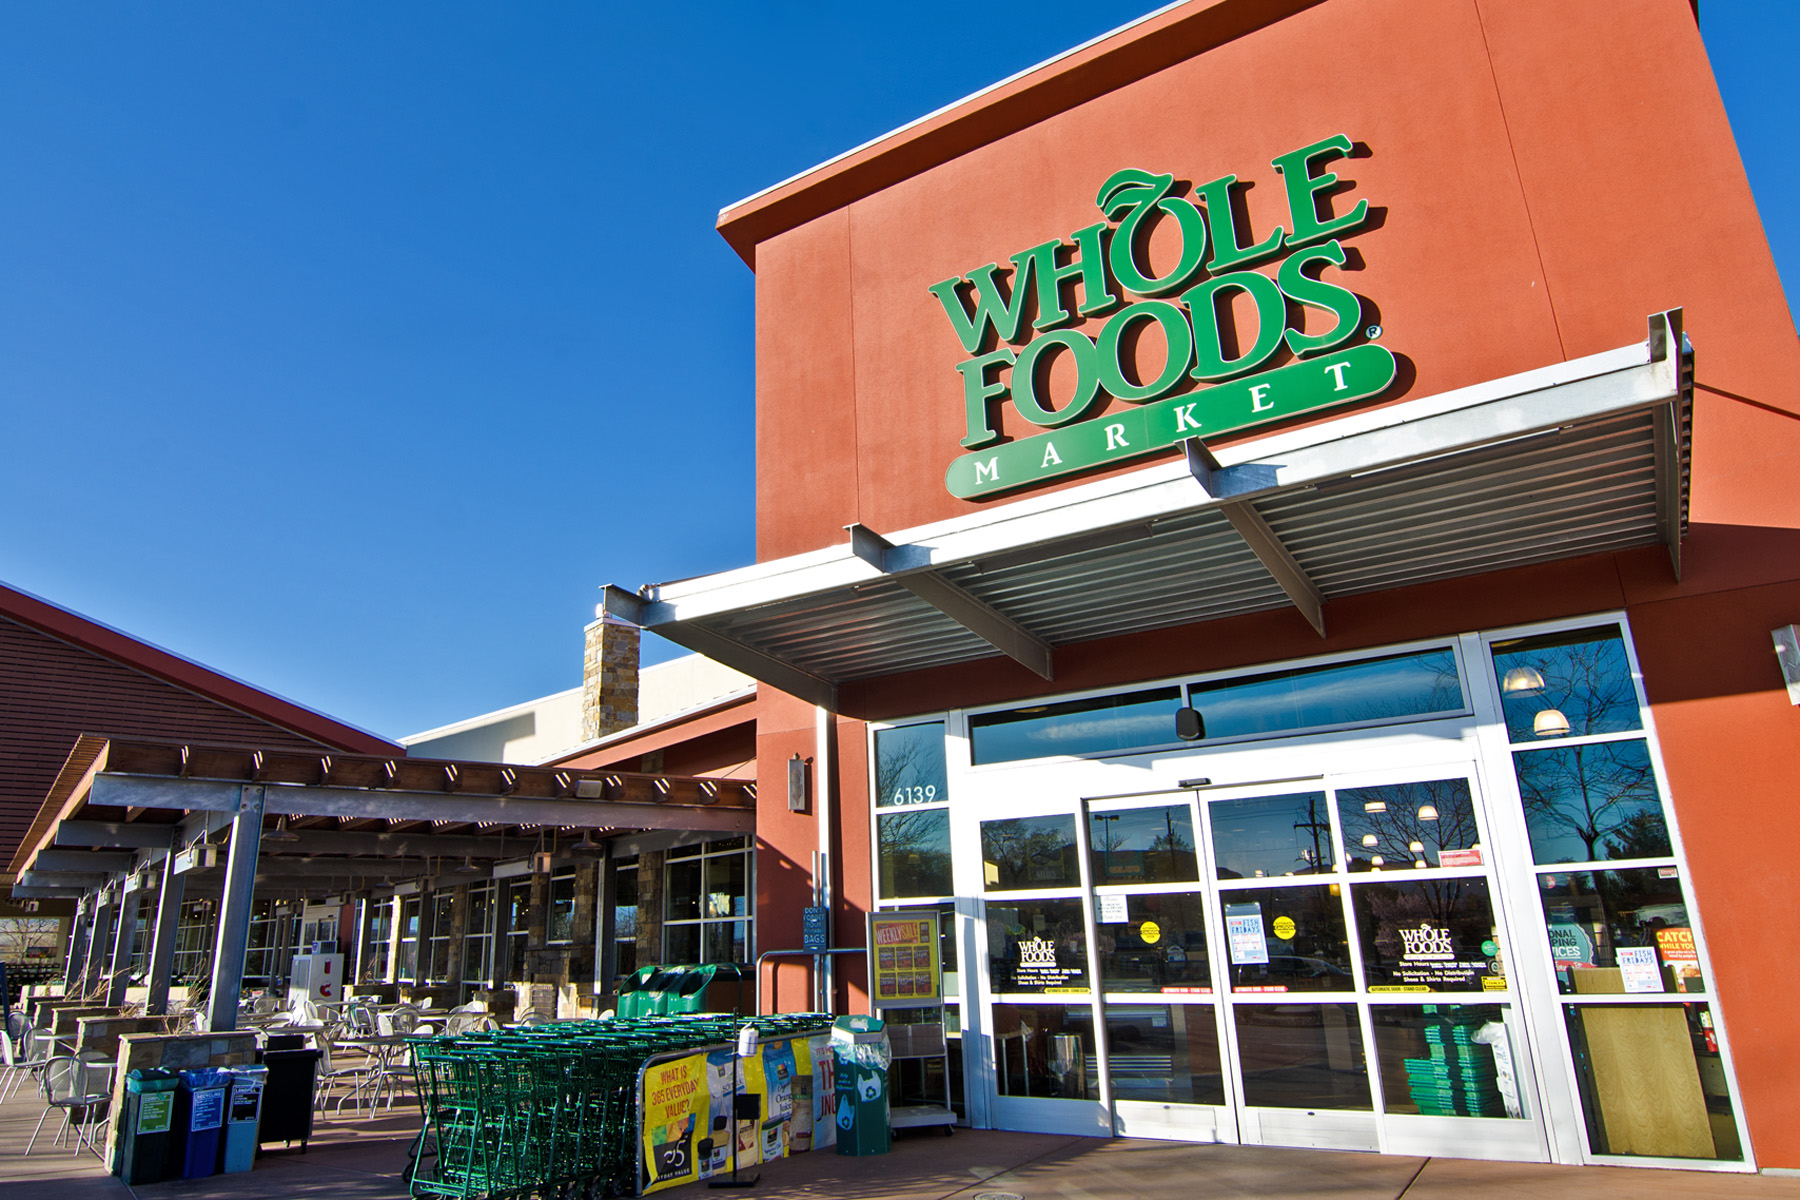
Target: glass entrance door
(1366, 999)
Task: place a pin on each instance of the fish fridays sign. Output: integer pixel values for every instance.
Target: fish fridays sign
(1189, 308)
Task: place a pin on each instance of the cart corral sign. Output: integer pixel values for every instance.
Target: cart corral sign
(1190, 308)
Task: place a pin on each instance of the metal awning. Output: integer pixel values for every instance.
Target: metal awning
(1581, 457)
(335, 822)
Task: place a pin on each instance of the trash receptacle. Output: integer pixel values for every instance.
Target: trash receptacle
(242, 1115)
(632, 995)
(146, 1141)
(288, 1093)
(199, 1116)
(861, 1054)
(664, 988)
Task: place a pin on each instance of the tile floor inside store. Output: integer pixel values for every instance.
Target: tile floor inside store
(361, 1159)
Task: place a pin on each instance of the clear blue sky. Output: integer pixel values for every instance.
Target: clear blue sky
(347, 348)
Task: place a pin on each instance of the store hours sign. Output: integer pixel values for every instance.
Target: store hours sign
(1187, 308)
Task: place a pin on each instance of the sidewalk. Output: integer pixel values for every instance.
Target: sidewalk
(362, 1159)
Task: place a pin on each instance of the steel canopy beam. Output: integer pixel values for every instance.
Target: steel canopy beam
(116, 835)
(298, 800)
(754, 663)
(977, 616)
(82, 860)
(1263, 541)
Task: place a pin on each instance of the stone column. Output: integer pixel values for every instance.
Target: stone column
(609, 678)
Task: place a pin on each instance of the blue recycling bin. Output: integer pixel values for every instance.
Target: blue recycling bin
(243, 1113)
(199, 1120)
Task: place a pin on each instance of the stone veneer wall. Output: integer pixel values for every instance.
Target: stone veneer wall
(609, 678)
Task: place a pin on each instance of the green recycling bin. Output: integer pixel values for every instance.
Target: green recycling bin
(148, 1136)
(632, 993)
(861, 1055)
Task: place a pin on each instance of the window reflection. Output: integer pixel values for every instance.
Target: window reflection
(1435, 935)
(1592, 803)
(1380, 689)
(1158, 946)
(1029, 852)
(1401, 825)
(1045, 1050)
(1288, 939)
(1143, 845)
(1094, 725)
(1566, 684)
(1302, 1056)
(1264, 837)
(1591, 916)
(913, 849)
(1164, 1053)
(1446, 1060)
(1037, 946)
(909, 765)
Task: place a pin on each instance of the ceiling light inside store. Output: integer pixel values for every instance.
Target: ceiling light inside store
(1427, 812)
(1522, 681)
(1375, 806)
(1416, 847)
(1378, 862)
(1550, 723)
(1370, 839)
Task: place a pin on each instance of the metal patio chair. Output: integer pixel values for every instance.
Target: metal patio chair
(71, 1083)
(24, 1057)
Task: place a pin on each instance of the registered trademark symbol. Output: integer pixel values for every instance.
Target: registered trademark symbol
(1372, 332)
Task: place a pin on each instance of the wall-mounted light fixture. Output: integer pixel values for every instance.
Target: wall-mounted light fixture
(796, 783)
(1787, 654)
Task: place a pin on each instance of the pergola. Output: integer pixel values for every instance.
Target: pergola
(237, 822)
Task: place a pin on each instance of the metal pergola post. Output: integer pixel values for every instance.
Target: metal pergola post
(162, 937)
(97, 945)
(78, 933)
(234, 912)
(118, 971)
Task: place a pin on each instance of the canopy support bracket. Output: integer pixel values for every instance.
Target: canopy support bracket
(1263, 541)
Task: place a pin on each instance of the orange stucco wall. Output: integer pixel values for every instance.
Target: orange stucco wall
(1545, 175)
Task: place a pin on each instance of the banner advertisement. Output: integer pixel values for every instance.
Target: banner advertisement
(687, 1110)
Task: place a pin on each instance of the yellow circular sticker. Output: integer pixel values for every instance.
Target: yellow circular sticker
(1151, 932)
(1284, 928)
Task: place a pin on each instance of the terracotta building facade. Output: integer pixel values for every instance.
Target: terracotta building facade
(1277, 522)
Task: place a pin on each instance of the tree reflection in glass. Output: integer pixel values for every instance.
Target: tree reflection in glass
(1029, 852)
(1382, 824)
(1143, 845)
(913, 848)
(909, 765)
(1592, 803)
(1582, 674)
(1263, 837)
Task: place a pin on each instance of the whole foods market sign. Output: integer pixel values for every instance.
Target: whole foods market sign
(1107, 263)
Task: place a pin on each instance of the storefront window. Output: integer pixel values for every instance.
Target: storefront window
(1405, 824)
(1143, 845)
(561, 926)
(1652, 1081)
(909, 765)
(1381, 689)
(1302, 1056)
(913, 853)
(1592, 803)
(1447, 1060)
(1428, 935)
(1572, 684)
(194, 941)
(1266, 837)
(517, 927)
(1037, 946)
(478, 935)
(1620, 931)
(1164, 1053)
(378, 924)
(708, 908)
(1029, 853)
(1045, 1051)
(407, 967)
(625, 920)
(1288, 939)
(438, 943)
(1154, 943)
(1093, 725)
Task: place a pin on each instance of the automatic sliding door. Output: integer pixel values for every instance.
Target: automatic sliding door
(1156, 968)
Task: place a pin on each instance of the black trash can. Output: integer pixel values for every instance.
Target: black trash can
(287, 1104)
(148, 1136)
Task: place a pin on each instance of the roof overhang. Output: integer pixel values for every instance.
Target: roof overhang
(1576, 458)
(335, 822)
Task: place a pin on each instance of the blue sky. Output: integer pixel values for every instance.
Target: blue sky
(348, 348)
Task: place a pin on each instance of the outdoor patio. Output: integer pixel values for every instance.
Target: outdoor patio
(358, 1157)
